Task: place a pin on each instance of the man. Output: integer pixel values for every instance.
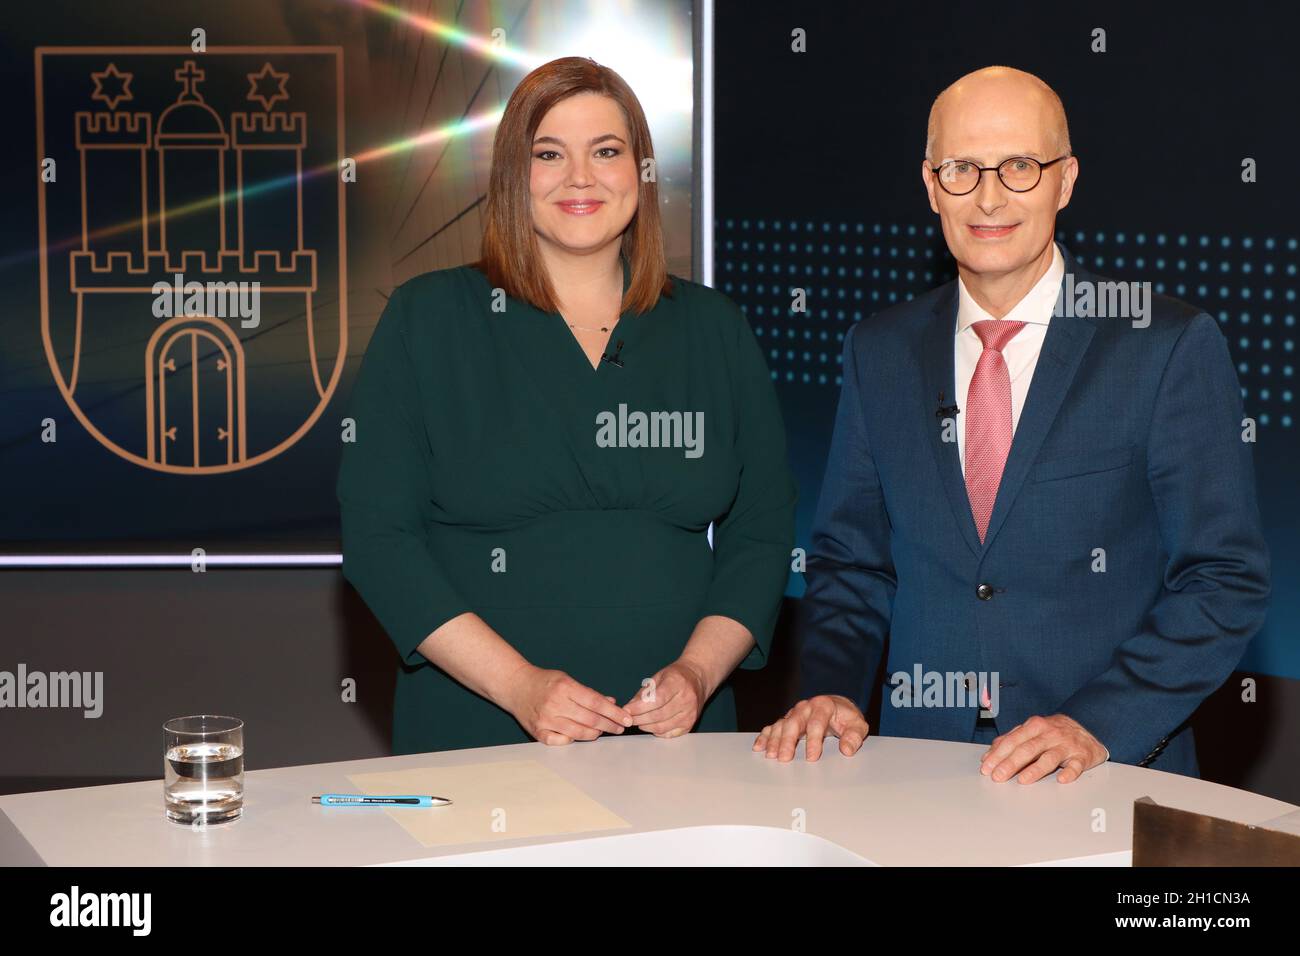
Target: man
(1055, 509)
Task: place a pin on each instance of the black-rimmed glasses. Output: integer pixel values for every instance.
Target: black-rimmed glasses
(957, 177)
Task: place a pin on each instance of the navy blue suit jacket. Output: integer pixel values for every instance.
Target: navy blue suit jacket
(1130, 440)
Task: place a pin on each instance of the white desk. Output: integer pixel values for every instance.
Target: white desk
(897, 802)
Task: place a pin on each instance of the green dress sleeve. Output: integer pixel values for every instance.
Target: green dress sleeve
(753, 540)
(384, 494)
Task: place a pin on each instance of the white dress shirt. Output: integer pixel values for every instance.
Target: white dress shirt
(1021, 353)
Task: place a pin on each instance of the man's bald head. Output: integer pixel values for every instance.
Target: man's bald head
(996, 86)
(1000, 236)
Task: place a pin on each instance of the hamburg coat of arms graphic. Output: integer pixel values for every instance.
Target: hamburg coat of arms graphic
(192, 240)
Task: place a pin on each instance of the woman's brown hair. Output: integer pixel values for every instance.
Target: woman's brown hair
(510, 257)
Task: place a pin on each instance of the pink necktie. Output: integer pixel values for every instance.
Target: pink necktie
(988, 419)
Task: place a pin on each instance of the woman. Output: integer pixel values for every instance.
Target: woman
(534, 548)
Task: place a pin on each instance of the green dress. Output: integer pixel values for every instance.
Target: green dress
(493, 470)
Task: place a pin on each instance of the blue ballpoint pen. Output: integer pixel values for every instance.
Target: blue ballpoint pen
(361, 800)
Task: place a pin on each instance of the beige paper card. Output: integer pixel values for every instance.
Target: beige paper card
(490, 801)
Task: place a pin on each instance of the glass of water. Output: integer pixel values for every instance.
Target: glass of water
(203, 769)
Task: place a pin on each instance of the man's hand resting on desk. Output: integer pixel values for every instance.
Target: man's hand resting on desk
(815, 718)
(1039, 746)
(557, 710)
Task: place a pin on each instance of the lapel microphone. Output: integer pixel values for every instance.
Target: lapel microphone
(945, 411)
(614, 359)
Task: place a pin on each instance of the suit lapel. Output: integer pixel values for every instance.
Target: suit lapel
(940, 378)
(1066, 341)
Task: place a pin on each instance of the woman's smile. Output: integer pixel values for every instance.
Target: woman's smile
(580, 207)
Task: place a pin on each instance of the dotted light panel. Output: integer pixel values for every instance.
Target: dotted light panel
(853, 270)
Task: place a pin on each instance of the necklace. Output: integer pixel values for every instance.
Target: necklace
(586, 328)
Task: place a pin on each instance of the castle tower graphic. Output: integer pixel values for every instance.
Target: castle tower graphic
(216, 192)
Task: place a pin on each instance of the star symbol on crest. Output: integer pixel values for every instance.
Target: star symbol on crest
(123, 89)
(259, 80)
